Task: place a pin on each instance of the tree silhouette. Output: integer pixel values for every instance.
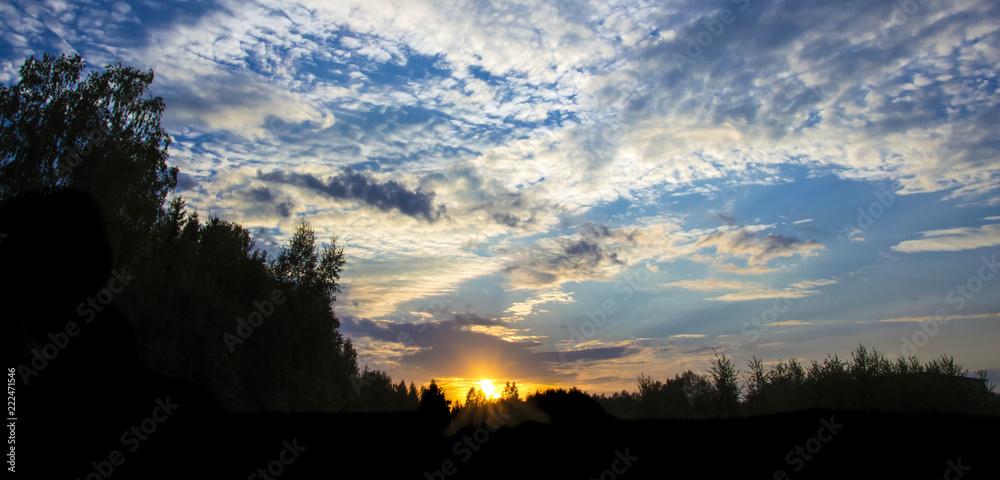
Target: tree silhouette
(302, 265)
(475, 398)
(725, 380)
(101, 135)
(433, 405)
(510, 392)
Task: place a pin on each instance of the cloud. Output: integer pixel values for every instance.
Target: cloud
(242, 105)
(596, 252)
(390, 195)
(376, 287)
(530, 305)
(758, 250)
(813, 283)
(730, 220)
(931, 317)
(709, 284)
(952, 240)
(474, 319)
(791, 323)
(269, 202)
(750, 290)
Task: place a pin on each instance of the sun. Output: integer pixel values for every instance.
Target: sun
(487, 387)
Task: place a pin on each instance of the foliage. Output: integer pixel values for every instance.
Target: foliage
(432, 398)
(377, 393)
(197, 284)
(301, 265)
(102, 135)
(510, 392)
(867, 381)
(725, 381)
(475, 398)
(202, 280)
(433, 404)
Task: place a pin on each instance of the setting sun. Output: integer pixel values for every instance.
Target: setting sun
(487, 386)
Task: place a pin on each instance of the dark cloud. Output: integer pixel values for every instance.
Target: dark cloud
(601, 231)
(186, 182)
(731, 221)
(262, 194)
(590, 247)
(284, 209)
(366, 328)
(574, 257)
(583, 247)
(511, 209)
(352, 185)
(507, 219)
(590, 230)
(473, 319)
(264, 200)
(758, 250)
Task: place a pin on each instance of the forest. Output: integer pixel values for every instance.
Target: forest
(190, 310)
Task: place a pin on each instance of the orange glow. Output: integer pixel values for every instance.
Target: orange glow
(488, 389)
(456, 387)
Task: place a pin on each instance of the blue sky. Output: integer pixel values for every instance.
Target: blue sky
(573, 192)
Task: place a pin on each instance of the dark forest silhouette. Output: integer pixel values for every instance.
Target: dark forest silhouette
(133, 314)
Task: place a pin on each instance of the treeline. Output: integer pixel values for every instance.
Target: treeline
(198, 301)
(867, 381)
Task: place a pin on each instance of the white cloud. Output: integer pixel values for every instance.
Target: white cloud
(750, 290)
(952, 240)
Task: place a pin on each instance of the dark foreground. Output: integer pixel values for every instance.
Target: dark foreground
(804, 444)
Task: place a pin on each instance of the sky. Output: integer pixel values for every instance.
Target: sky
(570, 193)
